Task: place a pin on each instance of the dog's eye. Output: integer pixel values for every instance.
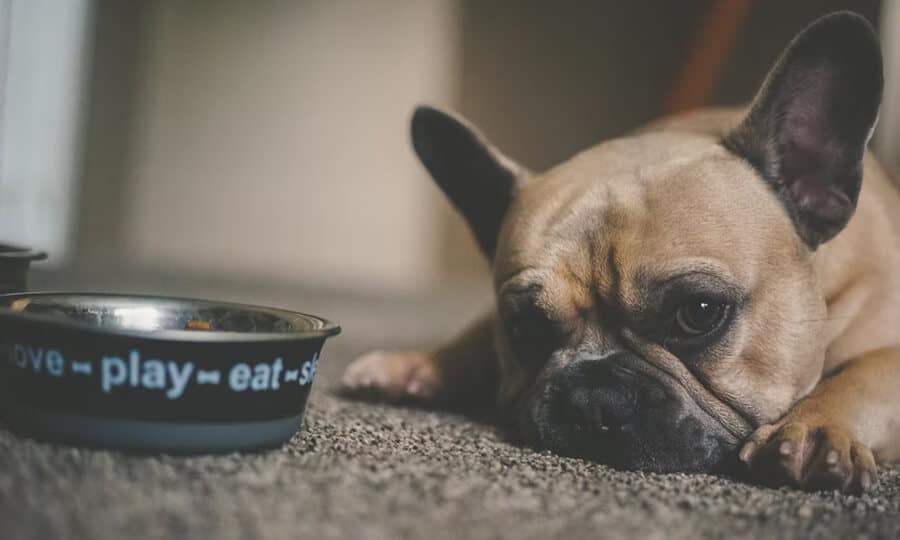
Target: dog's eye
(533, 334)
(699, 316)
(693, 313)
(533, 327)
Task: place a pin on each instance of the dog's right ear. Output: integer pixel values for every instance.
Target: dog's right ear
(475, 176)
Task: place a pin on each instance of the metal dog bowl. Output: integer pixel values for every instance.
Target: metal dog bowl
(155, 374)
(14, 263)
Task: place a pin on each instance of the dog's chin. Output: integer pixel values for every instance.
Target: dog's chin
(638, 424)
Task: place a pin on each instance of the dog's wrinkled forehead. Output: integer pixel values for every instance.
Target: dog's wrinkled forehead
(649, 203)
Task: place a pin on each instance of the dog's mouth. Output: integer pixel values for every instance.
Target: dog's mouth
(626, 412)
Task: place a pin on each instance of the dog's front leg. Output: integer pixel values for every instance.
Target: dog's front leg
(830, 439)
(461, 373)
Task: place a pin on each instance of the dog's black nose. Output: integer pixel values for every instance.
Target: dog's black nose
(599, 396)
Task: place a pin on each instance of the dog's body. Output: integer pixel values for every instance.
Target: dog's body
(681, 296)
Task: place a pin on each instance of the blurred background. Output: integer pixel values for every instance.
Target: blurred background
(242, 143)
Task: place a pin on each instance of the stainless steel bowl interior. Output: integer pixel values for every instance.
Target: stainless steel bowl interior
(144, 314)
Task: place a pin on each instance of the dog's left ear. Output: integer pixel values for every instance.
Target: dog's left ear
(808, 126)
(477, 178)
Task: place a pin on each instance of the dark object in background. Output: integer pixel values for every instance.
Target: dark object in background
(14, 263)
(123, 371)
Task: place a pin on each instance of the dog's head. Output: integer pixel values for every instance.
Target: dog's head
(656, 296)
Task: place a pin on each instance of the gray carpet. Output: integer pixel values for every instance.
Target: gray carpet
(370, 471)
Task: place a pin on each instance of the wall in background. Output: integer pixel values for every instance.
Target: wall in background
(271, 140)
(265, 142)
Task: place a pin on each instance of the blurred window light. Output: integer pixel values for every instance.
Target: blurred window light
(43, 65)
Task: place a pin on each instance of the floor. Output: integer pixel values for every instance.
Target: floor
(358, 470)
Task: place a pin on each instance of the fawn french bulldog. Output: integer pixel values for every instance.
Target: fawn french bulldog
(717, 288)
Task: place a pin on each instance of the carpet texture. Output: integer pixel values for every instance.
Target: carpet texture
(359, 470)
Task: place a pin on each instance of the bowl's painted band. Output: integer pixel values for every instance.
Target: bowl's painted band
(126, 377)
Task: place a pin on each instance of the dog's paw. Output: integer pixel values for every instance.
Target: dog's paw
(811, 455)
(393, 376)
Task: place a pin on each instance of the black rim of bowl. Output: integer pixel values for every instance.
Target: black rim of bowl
(324, 329)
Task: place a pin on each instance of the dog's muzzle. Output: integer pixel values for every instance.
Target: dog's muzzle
(618, 411)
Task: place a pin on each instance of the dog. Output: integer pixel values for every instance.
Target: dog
(718, 289)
